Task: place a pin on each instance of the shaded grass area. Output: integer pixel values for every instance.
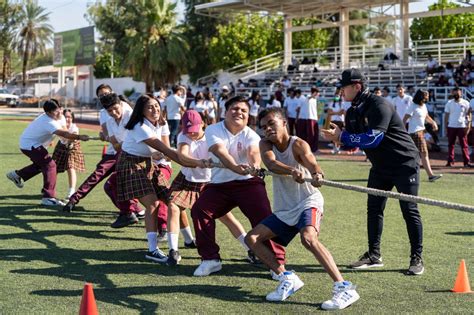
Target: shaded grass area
(46, 255)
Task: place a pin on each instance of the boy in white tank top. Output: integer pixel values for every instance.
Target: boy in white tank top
(298, 208)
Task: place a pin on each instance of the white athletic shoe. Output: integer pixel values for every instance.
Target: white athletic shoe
(15, 178)
(289, 284)
(207, 267)
(274, 275)
(344, 294)
(51, 202)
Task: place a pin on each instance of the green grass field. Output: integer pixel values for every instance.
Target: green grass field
(46, 255)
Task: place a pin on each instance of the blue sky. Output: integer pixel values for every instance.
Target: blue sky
(67, 15)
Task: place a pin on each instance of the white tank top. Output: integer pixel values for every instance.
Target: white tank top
(290, 199)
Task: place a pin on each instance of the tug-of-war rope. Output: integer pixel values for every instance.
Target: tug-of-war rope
(372, 191)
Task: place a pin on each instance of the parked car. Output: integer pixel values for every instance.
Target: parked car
(28, 100)
(8, 99)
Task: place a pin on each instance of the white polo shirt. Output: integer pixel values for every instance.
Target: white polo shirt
(118, 129)
(211, 108)
(275, 103)
(197, 150)
(237, 145)
(401, 104)
(172, 105)
(200, 107)
(291, 104)
(73, 129)
(417, 117)
(457, 113)
(335, 107)
(309, 108)
(40, 132)
(133, 143)
(165, 132)
(254, 106)
(471, 104)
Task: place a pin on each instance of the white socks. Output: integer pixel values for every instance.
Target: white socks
(152, 241)
(187, 234)
(241, 239)
(71, 191)
(173, 240)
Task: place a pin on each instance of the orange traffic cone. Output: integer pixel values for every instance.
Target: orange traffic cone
(88, 306)
(462, 280)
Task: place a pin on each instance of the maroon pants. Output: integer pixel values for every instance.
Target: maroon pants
(163, 208)
(218, 199)
(459, 133)
(291, 125)
(308, 130)
(42, 163)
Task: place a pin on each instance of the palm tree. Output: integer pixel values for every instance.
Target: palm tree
(384, 32)
(8, 21)
(34, 33)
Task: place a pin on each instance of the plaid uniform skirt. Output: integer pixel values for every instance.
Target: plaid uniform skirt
(69, 158)
(184, 193)
(161, 182)
(420, 141)
(137, 176)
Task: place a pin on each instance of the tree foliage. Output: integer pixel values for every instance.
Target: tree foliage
(34, 33)
(357, 33)
(383, 32)
(146, 38)
(9, 15)
(444, 26)
(198, 32)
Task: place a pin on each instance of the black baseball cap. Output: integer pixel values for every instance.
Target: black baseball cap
(351, 76)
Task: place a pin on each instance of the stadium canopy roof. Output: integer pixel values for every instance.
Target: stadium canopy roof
(329, 13)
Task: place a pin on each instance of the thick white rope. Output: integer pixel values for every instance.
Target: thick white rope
(377, 192)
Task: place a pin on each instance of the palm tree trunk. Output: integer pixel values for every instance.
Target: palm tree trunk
(25, 61)
(4, 66)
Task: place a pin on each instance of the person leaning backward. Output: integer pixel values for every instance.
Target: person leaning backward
(373, 125)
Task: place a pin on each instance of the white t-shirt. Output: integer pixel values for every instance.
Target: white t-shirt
(104, 117)
(118, 129)
(275, 103)
(237, 145)
(457, 113)
(309, 109)
(200, 107)
(165, 132)
(335, 107)
(401, 104)
(222, 108)
(291, 104)
(39, 132)
(72, 129)
(389, 99)
(417, 117)
(254, 106)
(431, 63)
(197, 150)
(133, 143)
(471, 104)
(211, 108)
(172, 105)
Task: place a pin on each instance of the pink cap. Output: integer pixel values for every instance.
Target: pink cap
(191, 121)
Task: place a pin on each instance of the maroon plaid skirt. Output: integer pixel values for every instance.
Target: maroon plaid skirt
(136, 176)
(161, 182)
(69, 157)
(184, 193)
(420, 141)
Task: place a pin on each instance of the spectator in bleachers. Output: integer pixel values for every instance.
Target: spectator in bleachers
(449, 70)
(231, 88)
(386, 94)
(431, 65)
(286, 82)
(291, 104)
(410, 90)
(254, 102)
(240, 83)
(390, 57)
(458, 119)
(377, 91)
(401, 101)
(307, 119)
(273, 102)
(430, 106)
(470, 86)
(279, 94)
(469, 57)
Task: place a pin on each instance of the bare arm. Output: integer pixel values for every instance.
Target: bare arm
(157, 144)
(446, 119)
(71, 136)
(186, 159)
(223, 155)
(432, 122)
(406, 117)
(103, 134)
(270, 161)
(303, 155)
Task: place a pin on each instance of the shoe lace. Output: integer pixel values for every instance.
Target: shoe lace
(284, 286)
(338, 294)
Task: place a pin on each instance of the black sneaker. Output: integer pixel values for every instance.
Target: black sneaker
(173, 258)
(366, 261)
(157, 256)
(192, 244)
(252, 258)
(124, 220)
(162, 236)
(435, 177)
(416, 266)
(69, 207)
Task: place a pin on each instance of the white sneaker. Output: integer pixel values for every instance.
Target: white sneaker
(52, 202)
(289, 284)
(15, 178)
(274, 275)
(207, 267)
(344, 294)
